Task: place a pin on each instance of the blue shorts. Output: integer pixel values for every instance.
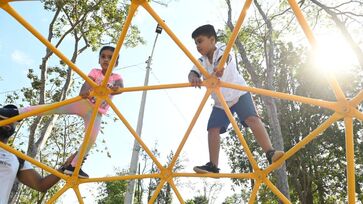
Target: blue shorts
(244, 108)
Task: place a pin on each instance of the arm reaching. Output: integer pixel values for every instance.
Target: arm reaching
(85, 89)
(194, 79)
(118, 84)
(218, 73)
(34, 180)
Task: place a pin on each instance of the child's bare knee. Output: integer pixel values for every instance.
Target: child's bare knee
(213, 131)
(251, 120)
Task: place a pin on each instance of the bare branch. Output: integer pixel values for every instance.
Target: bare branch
(343, 29)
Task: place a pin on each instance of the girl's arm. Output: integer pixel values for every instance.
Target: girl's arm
(118, 84)
(85, 89)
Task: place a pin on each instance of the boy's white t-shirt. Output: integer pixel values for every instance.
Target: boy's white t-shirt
(9, 165)
(230, 75)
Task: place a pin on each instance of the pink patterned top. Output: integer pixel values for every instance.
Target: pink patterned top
(98, 77)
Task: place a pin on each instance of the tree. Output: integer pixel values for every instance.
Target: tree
(235, 199)
(114, 191)
(165, 194)
(342, 14)
(319, 168)
(198, 200)
(89, 24)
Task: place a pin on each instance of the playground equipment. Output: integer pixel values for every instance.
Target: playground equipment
(342, 107)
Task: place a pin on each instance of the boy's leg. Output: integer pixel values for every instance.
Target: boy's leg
(259, 131)
(218, 123)
(246, 111)
(214, 140)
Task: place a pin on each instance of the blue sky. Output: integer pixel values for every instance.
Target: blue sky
(168, 112)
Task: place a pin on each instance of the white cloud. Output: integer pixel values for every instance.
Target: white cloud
(20, 57)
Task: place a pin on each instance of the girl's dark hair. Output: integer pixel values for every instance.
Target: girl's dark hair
(207, 30)
(107, 48)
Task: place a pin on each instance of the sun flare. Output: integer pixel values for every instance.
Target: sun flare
(333, 54)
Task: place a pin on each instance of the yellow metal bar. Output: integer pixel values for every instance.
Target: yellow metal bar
(33, 161)
(119, 178)
(219, 175)
(301, 19)
(304, 141)
(125, 27)
(254, 191)
(29, 27)
(349, 146)
(339, 94)
(175, 39)
(58, 194)
(234, 34)
(357, 99)
(78, 194)
(3, 3)
(309, 34)
(152, 87)
(175, 189)
(191, 125)
(357, 114)
(276, 191)
(157, 191)
(86, 139)
(318, 102)
(236, 128)
(133, 132)
(40, 110)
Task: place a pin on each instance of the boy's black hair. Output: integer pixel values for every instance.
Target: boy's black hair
(207, 30)
(111, 48)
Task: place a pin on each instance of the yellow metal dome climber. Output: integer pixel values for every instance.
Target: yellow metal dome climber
(343, 109)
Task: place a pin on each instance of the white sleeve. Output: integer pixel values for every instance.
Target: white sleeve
(27, 165)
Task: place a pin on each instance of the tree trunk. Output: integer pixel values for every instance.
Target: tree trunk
(277, 142)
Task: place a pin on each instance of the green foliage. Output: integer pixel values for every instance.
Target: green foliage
(236, 199)
(98, 22)
(198, 200)
(113, 192)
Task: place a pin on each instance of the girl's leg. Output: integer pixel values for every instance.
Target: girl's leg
(80, 108)
(94, 132)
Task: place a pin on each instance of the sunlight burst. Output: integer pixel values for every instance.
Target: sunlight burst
(333, 54)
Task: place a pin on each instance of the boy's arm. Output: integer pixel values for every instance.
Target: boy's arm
(194, 78)
(220, 72)
(34, 180)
